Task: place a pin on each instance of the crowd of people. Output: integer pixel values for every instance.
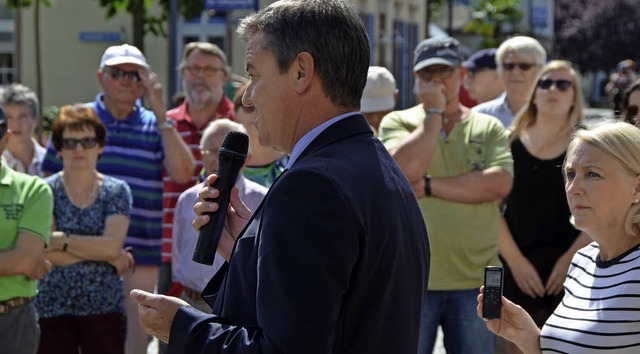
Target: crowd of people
(353, 227)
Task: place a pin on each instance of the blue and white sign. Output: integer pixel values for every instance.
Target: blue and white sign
(89, 36)
(227, 5)
(539, 17)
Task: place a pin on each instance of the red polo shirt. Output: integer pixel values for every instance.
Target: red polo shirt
(172, 190)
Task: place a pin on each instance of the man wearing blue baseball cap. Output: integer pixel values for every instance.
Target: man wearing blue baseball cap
(482, 80)
(459, 163)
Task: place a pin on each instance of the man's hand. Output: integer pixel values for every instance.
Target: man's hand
(238, 216)
(432, 94)
(39, 269)
(153, 92)
(156, 312)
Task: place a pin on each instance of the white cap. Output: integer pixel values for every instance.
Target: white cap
(123, 54)
(379, 93)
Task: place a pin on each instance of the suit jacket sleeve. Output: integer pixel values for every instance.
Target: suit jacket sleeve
(309, 242)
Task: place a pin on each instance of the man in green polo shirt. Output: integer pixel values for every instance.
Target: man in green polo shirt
(26, 209)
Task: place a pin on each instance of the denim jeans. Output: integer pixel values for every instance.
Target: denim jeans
(464, 332)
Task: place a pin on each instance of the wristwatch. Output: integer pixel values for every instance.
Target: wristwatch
(167, 124)
(435, 111)
(427, 186)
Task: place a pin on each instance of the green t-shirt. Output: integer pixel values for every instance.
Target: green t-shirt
(463, 236)
(26, 205)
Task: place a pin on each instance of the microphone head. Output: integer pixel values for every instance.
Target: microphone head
(236, 142)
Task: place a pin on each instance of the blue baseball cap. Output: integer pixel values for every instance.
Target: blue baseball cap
(482, 59)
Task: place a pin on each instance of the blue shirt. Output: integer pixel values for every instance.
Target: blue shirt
(498, 108)
(302, 144)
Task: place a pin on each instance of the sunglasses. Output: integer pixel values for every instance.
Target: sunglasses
(118, 74)
(3, 130)
(561, 85)
(632, 111)
(87, 143)
(521, 66)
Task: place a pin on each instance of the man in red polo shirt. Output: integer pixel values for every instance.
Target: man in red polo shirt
(204, 73)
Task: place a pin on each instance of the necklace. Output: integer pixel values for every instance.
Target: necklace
(90, 199)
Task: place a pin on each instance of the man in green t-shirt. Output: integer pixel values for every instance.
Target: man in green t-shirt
(26, 209)
(460, 165)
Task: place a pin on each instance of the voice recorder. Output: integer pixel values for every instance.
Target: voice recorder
(492, 300)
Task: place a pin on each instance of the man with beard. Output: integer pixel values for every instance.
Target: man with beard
(204, 72)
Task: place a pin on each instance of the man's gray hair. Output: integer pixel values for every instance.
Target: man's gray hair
(330, 30)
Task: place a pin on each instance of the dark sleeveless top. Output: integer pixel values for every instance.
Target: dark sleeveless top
(537, 211)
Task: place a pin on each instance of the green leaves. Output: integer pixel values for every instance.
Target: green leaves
(489, 16)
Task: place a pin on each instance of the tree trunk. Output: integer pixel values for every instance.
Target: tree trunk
(36, 24)
(138, 14)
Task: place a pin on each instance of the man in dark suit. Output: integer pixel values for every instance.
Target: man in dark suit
(335, 259)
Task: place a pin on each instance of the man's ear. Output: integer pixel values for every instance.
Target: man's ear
(303, 71)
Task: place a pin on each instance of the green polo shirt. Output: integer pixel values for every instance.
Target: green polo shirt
(26, 205)
(463, 236)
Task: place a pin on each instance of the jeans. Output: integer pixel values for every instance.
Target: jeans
(464, 332)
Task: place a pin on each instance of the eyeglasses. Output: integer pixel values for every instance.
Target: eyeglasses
(209, 151)
(3, 130)
(207, 70)
(521, 66)
(429, 74)
(632, 111)
(87, 143)
(561, 85)
(118, 74)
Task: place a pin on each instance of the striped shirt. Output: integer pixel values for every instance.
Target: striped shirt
(172, 190)
(600, 310)
(133, 153)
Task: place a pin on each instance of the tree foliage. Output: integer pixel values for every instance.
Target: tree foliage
(490, 17)
(595, 35)
(153, 23)
(143, 21)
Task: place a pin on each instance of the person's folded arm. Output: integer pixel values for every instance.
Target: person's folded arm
(411, 147)
(491, 184)
(26, 258)
(105, 247)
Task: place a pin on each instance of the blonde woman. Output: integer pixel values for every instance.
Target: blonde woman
(600, 310)
(537, 246)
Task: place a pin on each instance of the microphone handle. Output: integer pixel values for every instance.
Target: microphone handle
(210, 233)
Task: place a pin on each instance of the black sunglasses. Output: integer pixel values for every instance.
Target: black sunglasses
(118, 74)
(522, 66)
(3, 130)
(631, 111)
(561, 85)
(87, 143)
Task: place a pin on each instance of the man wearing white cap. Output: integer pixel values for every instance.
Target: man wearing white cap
(379, 96)
(140, 143)
(459, 164)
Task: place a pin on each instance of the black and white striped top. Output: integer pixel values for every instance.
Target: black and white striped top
(600, 310)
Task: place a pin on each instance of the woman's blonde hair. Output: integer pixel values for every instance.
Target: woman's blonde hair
(527, 115)
(621, 141)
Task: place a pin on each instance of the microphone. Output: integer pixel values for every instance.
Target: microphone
(232, 156)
